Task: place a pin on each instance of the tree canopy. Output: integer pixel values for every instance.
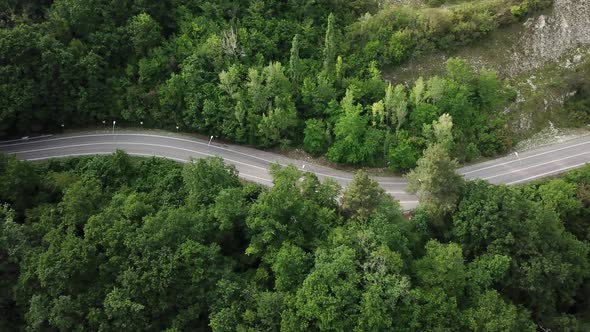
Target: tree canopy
(156, 245)
(264, 73)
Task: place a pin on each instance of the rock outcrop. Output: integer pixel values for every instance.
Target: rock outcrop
(549, 37)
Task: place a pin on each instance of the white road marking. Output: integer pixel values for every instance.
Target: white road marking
(103, 153)
(140, 135)
(26, 138)
(147, 145)
(527, 157)
(140, 144)
(347, 179)
(269, 161)
(394, 183)
(135, 154)
(556, 171)
(537, 165)
(178, 139)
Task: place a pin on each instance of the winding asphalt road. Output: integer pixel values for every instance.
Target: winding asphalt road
(253, 164)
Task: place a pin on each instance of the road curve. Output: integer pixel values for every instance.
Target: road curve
(253, 164)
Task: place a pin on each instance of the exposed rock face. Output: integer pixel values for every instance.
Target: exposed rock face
(548, 37)
(537, 54)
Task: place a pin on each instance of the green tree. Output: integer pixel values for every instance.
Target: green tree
(205, 178)
(423, 114)
(297, 209)
(295, 62)
(547, 263)
(277, 124)
(351, 135)
(399, 45)
(271, 113)
(290, 266)
(81, 200)
(362, 196)
(13, 244)
(328, 297)
(459, 71)
(145, 33)
(339, 69)
(385, 289)
(418, 93)
(442, 267)
(402, 154)
(492, 313)
(490, 91)
(21, 183)
(378, 112)
(440, 132)
(316, 137)
(561, 197)
(317, 93)
(435, 181)
(330, 47)
(111, 170)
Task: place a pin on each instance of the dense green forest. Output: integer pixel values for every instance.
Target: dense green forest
(113, 243)
(259, 72)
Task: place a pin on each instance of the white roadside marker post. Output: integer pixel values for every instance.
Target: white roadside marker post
(518, 157)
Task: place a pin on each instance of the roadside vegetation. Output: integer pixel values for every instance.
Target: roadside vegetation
(263, 73)
(113, 243)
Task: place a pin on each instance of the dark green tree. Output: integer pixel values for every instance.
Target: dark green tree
(362, 196)
(436, 181)
(329, 53)
(145, 33)
(295, 62)
(205, 178)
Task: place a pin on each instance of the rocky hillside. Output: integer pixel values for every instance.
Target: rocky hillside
(548, 37)
(539, 56)
(562, 31)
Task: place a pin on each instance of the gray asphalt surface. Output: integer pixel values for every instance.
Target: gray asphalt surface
(253, 164)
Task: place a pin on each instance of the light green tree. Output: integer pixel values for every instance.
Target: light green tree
(339, 69)
(378, 112)
(418, 94)
(440, 131)
(396, 105)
